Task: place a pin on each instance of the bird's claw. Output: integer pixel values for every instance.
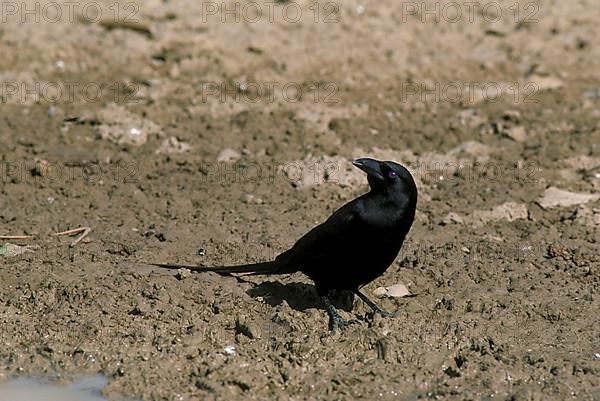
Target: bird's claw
(385, 313)
(339, 323)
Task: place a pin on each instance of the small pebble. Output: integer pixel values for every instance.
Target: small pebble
(397, 291)
(393, 291)
(42, 168)
(249, 198)
(379, 292)
(228, 155)
(249, 329)
(517, 134)
(183, 274)
(452, 218)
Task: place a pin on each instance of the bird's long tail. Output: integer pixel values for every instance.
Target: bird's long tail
(273, 267)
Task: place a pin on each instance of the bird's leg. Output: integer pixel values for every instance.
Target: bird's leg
(376, 308)
(336, 320)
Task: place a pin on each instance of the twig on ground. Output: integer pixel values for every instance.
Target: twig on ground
(83, 230)
(15, 236)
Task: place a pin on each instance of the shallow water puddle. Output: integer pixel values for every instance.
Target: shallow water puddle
(28, 389)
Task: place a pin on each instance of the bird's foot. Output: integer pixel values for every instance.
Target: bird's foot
(385, 313)
(335, 320)
(337, 323)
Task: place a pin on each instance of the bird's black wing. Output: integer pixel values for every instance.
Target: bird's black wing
(325, 241)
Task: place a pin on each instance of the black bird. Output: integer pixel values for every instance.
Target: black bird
(355, 245)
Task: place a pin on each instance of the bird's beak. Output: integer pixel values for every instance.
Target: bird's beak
(370, 166)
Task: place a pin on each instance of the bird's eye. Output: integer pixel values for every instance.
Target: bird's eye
(392, 174)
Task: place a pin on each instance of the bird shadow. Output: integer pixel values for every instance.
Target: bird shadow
(299, 296)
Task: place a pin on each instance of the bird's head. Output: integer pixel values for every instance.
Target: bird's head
(387, 175)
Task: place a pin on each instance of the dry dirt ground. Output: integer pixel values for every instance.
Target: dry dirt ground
(199, 132)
